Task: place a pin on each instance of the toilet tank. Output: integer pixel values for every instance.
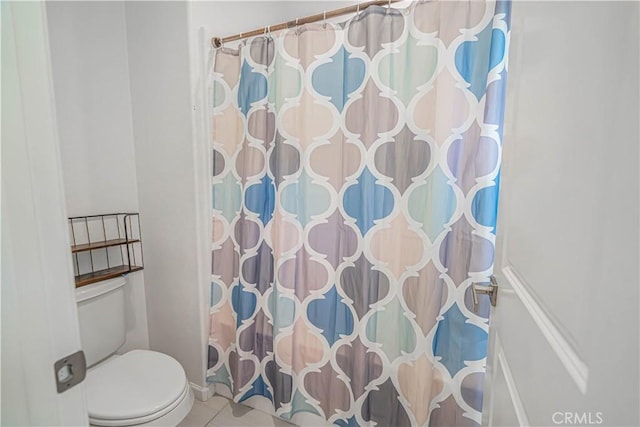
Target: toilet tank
(101, 318)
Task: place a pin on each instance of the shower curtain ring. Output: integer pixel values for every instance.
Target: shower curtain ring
(324, 24)
(358, 10)
(297, 28)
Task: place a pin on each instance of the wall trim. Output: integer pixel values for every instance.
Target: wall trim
(572, 362)
(202, 393)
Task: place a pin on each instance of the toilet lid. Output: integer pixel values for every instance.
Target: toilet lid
(136, 384)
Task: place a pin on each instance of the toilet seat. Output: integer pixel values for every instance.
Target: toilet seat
(136, 388)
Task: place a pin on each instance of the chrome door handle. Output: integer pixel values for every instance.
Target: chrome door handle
(491, 290)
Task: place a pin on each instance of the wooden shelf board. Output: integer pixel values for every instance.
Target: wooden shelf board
(109, 273)
(101, 244)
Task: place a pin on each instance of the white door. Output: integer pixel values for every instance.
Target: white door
(39, 317)
(563, 347)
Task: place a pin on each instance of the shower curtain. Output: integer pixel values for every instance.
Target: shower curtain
(355, 181)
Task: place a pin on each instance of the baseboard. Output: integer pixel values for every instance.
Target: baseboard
(202, 393)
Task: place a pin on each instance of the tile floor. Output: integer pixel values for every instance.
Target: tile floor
(221, 412)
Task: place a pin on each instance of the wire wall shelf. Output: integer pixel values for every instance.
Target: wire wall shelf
(105, 246)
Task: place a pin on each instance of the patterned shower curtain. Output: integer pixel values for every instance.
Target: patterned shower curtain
(355, 182)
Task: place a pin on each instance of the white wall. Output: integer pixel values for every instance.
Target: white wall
(96, 84)
(93, 107)
(91, 80)
(225, 18)
(158, 43)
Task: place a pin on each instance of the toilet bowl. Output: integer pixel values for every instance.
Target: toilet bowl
(140, 387)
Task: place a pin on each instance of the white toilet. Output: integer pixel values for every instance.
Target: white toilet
(140, 387)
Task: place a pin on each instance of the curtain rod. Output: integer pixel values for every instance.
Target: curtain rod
(219, 41)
